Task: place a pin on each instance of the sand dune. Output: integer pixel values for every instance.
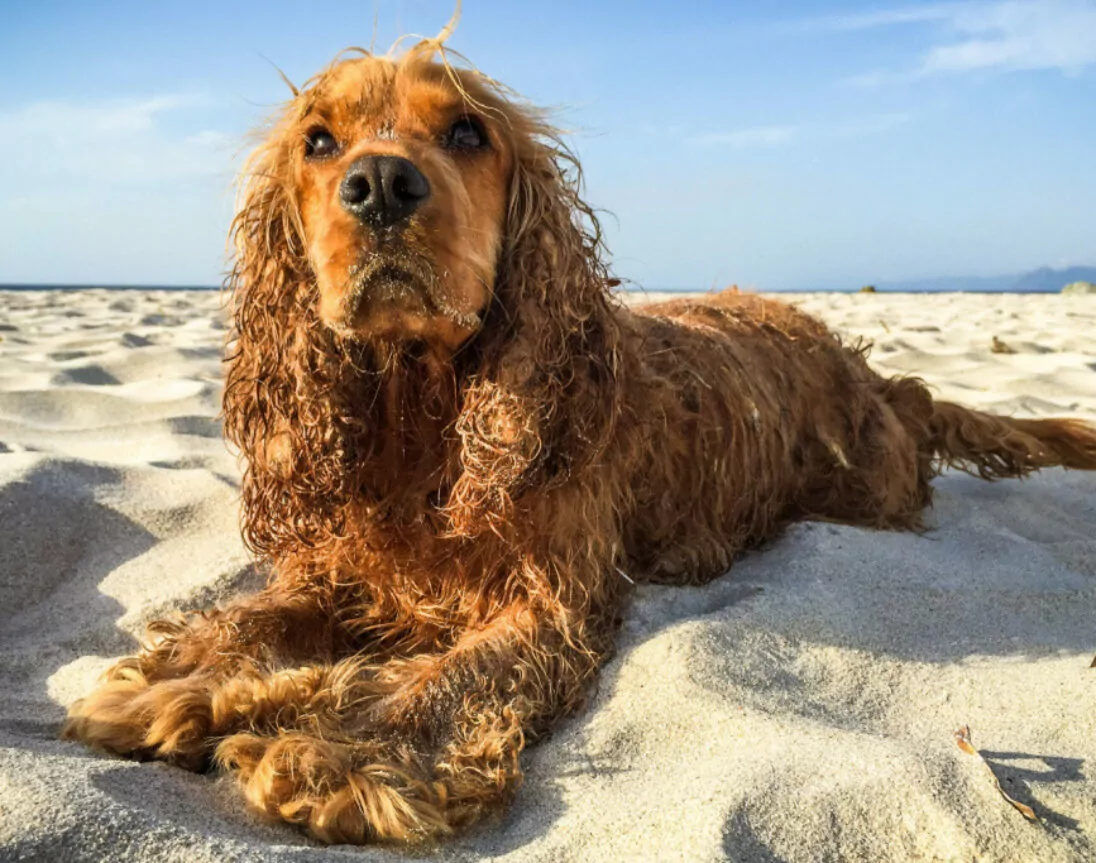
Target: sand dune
(801, 709)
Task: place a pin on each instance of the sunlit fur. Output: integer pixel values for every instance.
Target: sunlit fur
(453, 495)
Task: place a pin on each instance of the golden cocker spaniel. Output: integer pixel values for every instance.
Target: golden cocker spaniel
(460, 452)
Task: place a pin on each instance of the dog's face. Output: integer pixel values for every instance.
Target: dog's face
(401, 184)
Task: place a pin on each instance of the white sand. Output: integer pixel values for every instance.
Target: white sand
(800, 710)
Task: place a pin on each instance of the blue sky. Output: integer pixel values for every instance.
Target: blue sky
(777, 146)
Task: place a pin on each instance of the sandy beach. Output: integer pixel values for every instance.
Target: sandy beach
(800, 709)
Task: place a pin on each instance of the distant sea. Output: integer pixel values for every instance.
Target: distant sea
(630, 289)
(52, 287)
(1044, 280)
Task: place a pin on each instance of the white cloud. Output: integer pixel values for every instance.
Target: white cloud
(884, 18)
(1020, 34)
(772, 136)
(875, 125)
(115, 140)
(209, 138)
(1005, 35)
(762, 136)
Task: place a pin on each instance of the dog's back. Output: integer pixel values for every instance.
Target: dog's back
(751, 413)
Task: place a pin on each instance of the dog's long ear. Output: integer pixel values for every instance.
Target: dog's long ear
(282, 367)
(548, 395)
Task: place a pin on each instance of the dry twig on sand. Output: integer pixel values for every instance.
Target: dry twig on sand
(962, 737)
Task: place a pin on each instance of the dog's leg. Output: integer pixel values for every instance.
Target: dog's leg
(270, 627)
(873, 467)
(161, 702)
(424, 747)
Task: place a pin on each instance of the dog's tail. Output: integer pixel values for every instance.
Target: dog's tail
(994, 447)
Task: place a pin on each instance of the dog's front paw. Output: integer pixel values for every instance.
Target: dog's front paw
(170, 719)
(340, 792)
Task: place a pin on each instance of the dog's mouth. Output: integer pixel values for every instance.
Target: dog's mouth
(395, 296)
(385, 283)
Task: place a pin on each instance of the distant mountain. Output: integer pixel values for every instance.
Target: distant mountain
(1046, 279)
(1041, 281)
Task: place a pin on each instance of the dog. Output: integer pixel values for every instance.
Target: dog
(460, 451)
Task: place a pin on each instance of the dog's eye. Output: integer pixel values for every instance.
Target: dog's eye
(466, 134)
(319, 144)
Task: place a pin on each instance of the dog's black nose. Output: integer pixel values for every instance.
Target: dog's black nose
(383, 190)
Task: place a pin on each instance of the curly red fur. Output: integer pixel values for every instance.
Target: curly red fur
(452, 512)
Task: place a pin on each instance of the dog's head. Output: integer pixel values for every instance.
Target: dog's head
(398, 182)
(396, 211)
(402, 171)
